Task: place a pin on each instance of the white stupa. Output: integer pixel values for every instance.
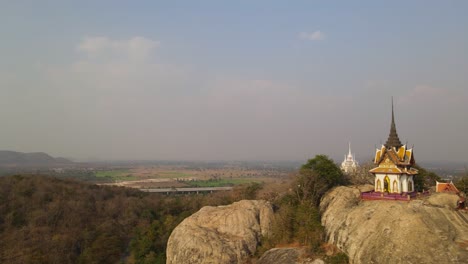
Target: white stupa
(349, 164)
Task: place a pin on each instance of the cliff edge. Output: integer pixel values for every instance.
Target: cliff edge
(426, 230)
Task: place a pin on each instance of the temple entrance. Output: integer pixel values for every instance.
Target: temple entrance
(410, 186)
(386, 184)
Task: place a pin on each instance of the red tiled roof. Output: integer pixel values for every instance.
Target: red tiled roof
(446, 187)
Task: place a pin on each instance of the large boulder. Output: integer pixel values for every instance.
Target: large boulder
(223, 234)
(426, 230)
(293, 255)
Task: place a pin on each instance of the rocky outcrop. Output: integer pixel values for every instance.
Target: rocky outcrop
(425, 230)
(287, 256)
(223, 234)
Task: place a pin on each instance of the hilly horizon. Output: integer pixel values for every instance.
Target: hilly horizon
(15, 158)
(10, 158)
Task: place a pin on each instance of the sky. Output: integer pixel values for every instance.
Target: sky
(233, 80)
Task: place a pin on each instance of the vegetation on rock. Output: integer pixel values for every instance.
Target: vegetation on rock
(297, 220)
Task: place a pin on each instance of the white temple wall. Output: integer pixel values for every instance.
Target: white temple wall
(394, 185)
(404, 183)
(378, 183)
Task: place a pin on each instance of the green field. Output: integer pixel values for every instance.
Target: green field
(116, 175)
(221, 182)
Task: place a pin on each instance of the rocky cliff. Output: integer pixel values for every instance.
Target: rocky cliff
(425, 230)
(294, 255)
(223, 234)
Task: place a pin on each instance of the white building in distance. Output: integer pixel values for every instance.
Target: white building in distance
(349, 163)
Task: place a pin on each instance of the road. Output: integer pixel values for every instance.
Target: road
(186, 190)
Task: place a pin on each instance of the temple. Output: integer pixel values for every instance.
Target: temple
(448, 187)
(394, 161)
(349, 164)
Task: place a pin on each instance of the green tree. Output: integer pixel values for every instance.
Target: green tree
(462, 183)
(316, 177)
(326, 169)
(425, 179)
(297, 218)
(309, 230)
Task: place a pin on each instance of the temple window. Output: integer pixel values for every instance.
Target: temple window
(395, 186)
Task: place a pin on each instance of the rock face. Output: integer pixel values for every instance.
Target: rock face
(425, 230)
(287, 256)
(223, 234)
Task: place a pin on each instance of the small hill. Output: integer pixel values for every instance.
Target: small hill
(426, 230)
(13, 158)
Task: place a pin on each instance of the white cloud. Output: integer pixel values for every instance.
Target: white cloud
(314, 36)
(136, 48)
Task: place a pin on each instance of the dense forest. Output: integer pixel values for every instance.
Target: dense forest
(49, 220)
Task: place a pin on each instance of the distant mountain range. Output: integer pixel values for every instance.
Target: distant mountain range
(13, 158)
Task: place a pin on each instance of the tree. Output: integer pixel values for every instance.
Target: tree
(316, 177)
(462, 183)
(362, 174)
(297, 217)
(425, 179)
(326, 169)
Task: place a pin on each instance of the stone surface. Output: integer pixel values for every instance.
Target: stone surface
(281, 255)
(425, 230)
(293, 255)
(223, 234)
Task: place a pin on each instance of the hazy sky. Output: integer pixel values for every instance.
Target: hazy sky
(223, 80)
